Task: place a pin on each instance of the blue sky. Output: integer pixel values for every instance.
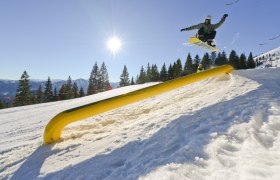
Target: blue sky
(66, 37)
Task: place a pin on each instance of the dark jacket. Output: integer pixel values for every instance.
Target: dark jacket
(208, 28)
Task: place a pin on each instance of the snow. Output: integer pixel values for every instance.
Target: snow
(269, 59)
(225, 127)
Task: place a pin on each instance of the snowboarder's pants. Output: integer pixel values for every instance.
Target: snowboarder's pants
(205, 36)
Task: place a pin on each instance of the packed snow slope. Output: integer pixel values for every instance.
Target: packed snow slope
(225, 127)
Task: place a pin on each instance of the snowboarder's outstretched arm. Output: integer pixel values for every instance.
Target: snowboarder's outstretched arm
(193, 27)
(215, 26)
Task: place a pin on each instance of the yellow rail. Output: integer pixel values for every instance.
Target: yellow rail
(55, 126)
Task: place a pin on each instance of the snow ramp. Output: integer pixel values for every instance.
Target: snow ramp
(55, 126)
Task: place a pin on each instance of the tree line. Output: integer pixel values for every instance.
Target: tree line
(99, 79)
(47, 93)
(98, 82)
(151, 73)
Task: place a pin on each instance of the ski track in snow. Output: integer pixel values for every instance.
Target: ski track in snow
(207, 130)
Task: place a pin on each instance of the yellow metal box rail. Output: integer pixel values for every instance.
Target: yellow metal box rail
(53, 129)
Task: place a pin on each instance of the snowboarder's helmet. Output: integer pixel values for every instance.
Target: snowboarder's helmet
(208, 17)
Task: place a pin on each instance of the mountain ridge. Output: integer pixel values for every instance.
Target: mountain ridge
(8, 88)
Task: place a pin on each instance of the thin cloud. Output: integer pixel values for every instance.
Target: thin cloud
(236, 1)
(274, 37)
(270, 39)
(235, 38)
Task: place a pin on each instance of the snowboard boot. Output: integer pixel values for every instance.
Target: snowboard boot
(211, 42)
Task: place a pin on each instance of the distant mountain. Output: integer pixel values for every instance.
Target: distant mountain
(269, 59)
(115, 84)
(8, 88)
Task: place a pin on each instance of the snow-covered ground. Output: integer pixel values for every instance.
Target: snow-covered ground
(225, 127)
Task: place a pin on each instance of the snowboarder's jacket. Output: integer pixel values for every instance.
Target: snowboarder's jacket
(208, 28)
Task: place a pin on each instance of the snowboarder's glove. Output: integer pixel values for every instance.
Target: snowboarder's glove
(185, 29)
(225, 16)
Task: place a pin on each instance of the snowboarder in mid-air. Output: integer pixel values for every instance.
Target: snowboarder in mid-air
(206, 31)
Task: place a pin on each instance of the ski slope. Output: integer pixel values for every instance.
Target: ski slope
(226, 127)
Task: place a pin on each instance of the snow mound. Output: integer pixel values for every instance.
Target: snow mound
(226, 127)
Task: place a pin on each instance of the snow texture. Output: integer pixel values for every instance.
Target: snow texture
(225, 127)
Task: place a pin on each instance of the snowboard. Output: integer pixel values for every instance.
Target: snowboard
(196, 41)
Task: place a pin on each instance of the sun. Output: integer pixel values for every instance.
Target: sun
(114, 44)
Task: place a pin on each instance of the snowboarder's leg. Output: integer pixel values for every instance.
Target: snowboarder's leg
(201, 34)
(212, 35)
(210, 38)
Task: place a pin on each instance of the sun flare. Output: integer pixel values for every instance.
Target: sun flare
(114, 44)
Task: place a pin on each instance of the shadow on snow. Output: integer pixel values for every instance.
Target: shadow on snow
(179, 142)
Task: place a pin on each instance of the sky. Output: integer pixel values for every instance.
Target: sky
(60, 38)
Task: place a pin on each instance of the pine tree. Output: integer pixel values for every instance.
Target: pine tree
(213, 57)
(55, 94)
(163, 73)
(62, 92)
(218, 60)
(40, 95)
(48, 93)
(1, 105)
(196, 63)
(23, 95)
(188, 68)
(69, 89)
(154, 73)
(142, 77)
(148, 73)
(7, 103)
(206, 61)
(242, 61)
(75, 90)
(170, 72)
(93, 80)
(124, 78)
(233, 59)
(33, 99)
(132, 81)
(250, 62)
(224, 58)
(103, 78)
(258, 63)
(99, 82)
(81, 92)
(177, 68)
(137, 79)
